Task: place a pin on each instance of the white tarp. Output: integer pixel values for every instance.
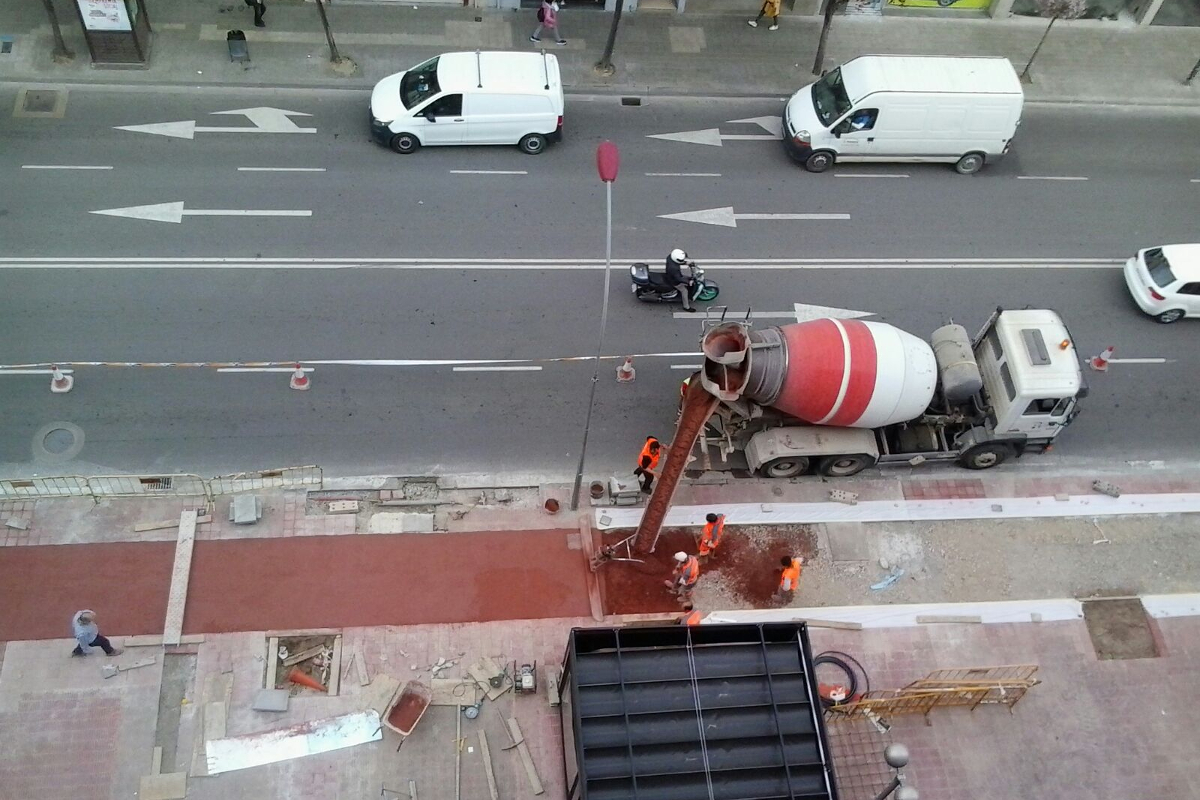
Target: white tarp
(294, 741)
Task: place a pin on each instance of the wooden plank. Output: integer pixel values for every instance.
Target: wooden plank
(154, 640)
(199, 752)
(142, 662)
(595, 602)
(142, 527)
(481, 677)
(335, 669)
(552, 694)
(156, 761)
(458, 742)
(412, 790)
(180, 572)
(832, 623)
(487, 764)
(171, 786)
(381, 693)
(924, 619)
(272, 662)
(535, 783)
(214, 720)
(360, 665)
(303, 655)
(453, 692)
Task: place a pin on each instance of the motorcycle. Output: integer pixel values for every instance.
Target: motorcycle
(652, 286)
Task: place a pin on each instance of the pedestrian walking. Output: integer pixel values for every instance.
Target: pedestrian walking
(87, 633)
(710, 538)
(260, 8)
(789, 576)
(547, 17)
(770, 8)
(684, 577)
(647, 464)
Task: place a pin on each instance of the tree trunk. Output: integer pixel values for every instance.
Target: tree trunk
(61, 51)
(830, 8)
(1042, 41)
(604, 65)
(333, 51)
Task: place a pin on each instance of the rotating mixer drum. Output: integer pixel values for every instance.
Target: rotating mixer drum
(846, 373)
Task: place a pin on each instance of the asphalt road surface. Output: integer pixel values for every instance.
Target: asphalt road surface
(438, 257)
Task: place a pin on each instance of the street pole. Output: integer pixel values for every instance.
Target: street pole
(61, 51)
(333, 51)
(605, 66)
(1025, 72)
(608, 162)
(1192, 75)
(827, 20)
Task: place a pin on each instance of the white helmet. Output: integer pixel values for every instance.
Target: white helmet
(681, 556)
(678, 256)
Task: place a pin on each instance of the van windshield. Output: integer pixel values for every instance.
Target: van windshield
(1159, 268)
(419, 84)
(829, 97)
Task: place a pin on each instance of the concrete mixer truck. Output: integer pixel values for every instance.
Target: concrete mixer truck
(834, 397)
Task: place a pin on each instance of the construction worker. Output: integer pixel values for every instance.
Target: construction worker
(714, 529)
(647, 464)
(686, 573)
(789, 577)
(690, 615)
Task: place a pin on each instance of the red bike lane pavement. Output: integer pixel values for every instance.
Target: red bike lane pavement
(295, 582)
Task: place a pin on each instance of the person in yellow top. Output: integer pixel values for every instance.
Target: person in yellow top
(770, 8)
(710, 538)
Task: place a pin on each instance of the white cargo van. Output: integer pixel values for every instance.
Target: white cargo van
(471, 98)
(961, 111)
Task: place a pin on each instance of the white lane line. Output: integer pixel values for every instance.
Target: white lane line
(281, 169)
(732, 315)
(498, 369)
(34, 371)
(869, 175)
(689, 367)
(1138, 360)
(62, 166)
(1050, 178)
(1195, 180)
(263, 369)
(488, 172)
(683, 174)
(1007, 260)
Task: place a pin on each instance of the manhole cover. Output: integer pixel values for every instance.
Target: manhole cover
(40, 101)
(58, 441)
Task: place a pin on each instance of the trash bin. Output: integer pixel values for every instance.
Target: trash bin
(238, 49)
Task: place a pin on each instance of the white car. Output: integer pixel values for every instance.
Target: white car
(1165, 281)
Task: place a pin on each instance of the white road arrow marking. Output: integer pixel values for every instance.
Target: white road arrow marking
(175, 212)
(714, 137)
(725, 217)
(805, 312)
(773, 125)
(264, 118)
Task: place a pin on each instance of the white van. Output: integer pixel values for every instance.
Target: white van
(471, 98)
(961, 111)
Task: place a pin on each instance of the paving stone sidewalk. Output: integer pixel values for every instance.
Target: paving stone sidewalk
(656, 53)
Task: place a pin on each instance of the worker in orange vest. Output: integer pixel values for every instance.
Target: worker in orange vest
(647, 464)
(789, 577)
(690, 615)
(714, 529)
(684, 577)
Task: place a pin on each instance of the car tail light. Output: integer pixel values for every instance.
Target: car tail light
(1156, 295)
(560, 122)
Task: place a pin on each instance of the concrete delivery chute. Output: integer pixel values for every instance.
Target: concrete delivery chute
(835, 397)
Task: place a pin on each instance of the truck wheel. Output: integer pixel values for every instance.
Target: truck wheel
(969, 164)
(819, 161)
(405, 143)
(985, 456)
(845, 466)
(784, 467)
(532, 143)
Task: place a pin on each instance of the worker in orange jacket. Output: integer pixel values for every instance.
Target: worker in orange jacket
(789, 576)
(684, 577)
(710, 538)
(647, 464)
(690, 615)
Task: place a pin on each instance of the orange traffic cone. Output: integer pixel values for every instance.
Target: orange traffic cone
(1100, 362)
(60, 382)
(626, 372)
(299, 380)
(300, 678)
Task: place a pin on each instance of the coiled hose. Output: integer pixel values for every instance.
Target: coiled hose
(839, 660)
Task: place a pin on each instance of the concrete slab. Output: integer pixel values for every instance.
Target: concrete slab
(400, 522)
(848, 541)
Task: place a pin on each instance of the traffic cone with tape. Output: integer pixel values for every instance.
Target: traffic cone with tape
(59, 382)
(626, 373)
(300, 381)
(1100, 362)
(300, 678)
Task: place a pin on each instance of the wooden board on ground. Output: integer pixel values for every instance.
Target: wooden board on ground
(218, 688)
(360, 665)
(214, 720)
(487, 764)
(335, 669)
(380, 693)
(153, 640)
(453, 692)
(552, 679)
(831, 623)
(156, 761)
(272, 662)
(535, 783)
(171, 786)
(481, 676)
(180, 572)
(142, 527)
(303, 655)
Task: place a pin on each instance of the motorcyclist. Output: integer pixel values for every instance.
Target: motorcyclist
(676, 262)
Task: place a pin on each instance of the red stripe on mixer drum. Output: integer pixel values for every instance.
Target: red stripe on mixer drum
(860, 384)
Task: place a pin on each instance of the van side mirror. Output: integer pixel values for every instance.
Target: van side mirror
(429, 116)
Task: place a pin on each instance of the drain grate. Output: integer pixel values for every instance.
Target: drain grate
(41, 103)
